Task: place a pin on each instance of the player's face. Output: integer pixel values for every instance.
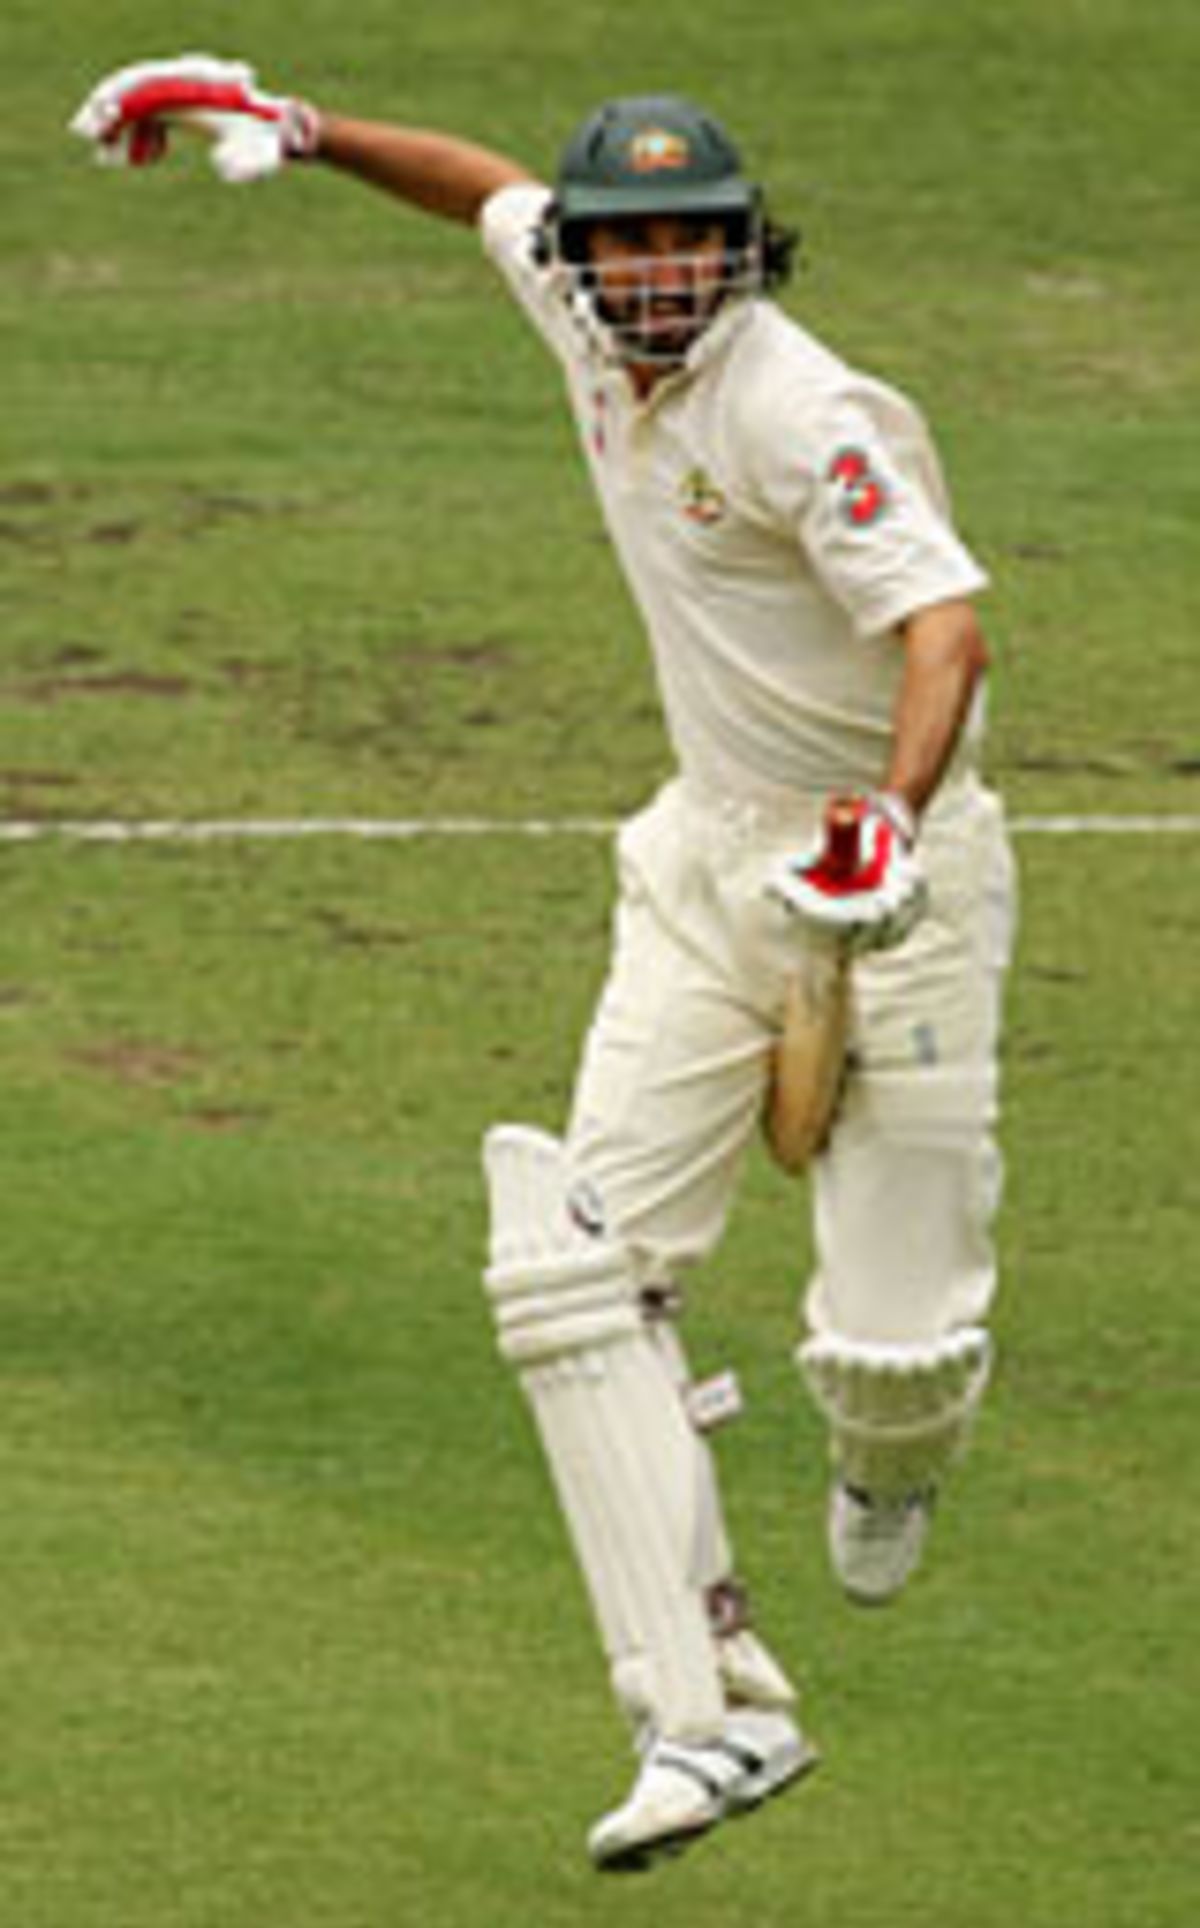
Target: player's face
(659, 279)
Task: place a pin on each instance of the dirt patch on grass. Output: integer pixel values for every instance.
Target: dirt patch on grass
(353, 934)
(117, 682)
(43, 516)
(39, 495)
(37, 780)
(139, 1065)
(225, 1117)
(35, 794)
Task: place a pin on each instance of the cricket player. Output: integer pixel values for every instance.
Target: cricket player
(814, 913)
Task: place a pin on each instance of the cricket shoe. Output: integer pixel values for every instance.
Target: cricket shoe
(684, 1789)
(875, 1544)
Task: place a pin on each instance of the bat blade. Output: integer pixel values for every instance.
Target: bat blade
(808, 1063)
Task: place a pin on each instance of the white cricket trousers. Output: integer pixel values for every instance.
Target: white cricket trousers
(674, 1071)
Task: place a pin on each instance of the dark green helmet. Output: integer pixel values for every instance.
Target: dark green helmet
(649, 154)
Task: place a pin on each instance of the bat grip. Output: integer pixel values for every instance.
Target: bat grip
(843, 836)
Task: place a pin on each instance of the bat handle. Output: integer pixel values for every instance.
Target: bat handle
(843, 836)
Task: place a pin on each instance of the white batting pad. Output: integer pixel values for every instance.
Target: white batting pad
(628, 1466)
(898, 1415)
(750, 1674)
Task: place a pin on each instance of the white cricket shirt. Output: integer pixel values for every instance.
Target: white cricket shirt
(776, 514)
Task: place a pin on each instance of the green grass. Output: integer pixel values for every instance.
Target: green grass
(291, 524)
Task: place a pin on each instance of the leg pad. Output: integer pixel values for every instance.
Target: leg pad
(625, 1459)
(898, 1415)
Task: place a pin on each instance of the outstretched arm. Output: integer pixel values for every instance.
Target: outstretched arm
(130, 115)
(440, 173)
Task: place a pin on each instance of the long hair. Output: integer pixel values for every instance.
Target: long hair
(780, 251)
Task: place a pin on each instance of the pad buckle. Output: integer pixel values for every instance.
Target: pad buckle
(714, 1402)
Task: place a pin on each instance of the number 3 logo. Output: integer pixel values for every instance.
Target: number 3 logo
(862, 497)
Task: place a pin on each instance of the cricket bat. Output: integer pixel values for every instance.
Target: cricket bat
(808, 1062)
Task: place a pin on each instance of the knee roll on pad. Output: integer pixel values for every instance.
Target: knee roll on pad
(556, 1289)
(563, 1308)
(898, 1415)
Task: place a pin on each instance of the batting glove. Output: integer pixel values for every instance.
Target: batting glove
(863, 883)
(128, 117)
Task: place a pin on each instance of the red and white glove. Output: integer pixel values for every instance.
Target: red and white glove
(128, 117)
(863, 883)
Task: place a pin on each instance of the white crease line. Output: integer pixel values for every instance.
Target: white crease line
(296, 829)
(407, 829)
(1180, 826)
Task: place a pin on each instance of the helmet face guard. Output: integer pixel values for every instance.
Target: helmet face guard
(634, 160)
(651, 308)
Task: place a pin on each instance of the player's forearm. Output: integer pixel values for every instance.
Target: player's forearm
(945, 656)
(440, 173)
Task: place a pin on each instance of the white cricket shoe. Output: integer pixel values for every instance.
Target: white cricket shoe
(876, 1545)
(684, 1789)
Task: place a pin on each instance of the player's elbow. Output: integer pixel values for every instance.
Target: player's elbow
(973, 654)
(949, 633)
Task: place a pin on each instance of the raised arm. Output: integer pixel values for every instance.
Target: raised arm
(130, 115)
(440, 173)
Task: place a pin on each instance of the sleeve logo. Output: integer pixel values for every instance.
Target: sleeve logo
(861, 495)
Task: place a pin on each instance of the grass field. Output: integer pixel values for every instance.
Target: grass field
(290, 526)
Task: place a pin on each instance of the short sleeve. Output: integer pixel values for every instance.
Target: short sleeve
(858, 481)
(510, 226)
